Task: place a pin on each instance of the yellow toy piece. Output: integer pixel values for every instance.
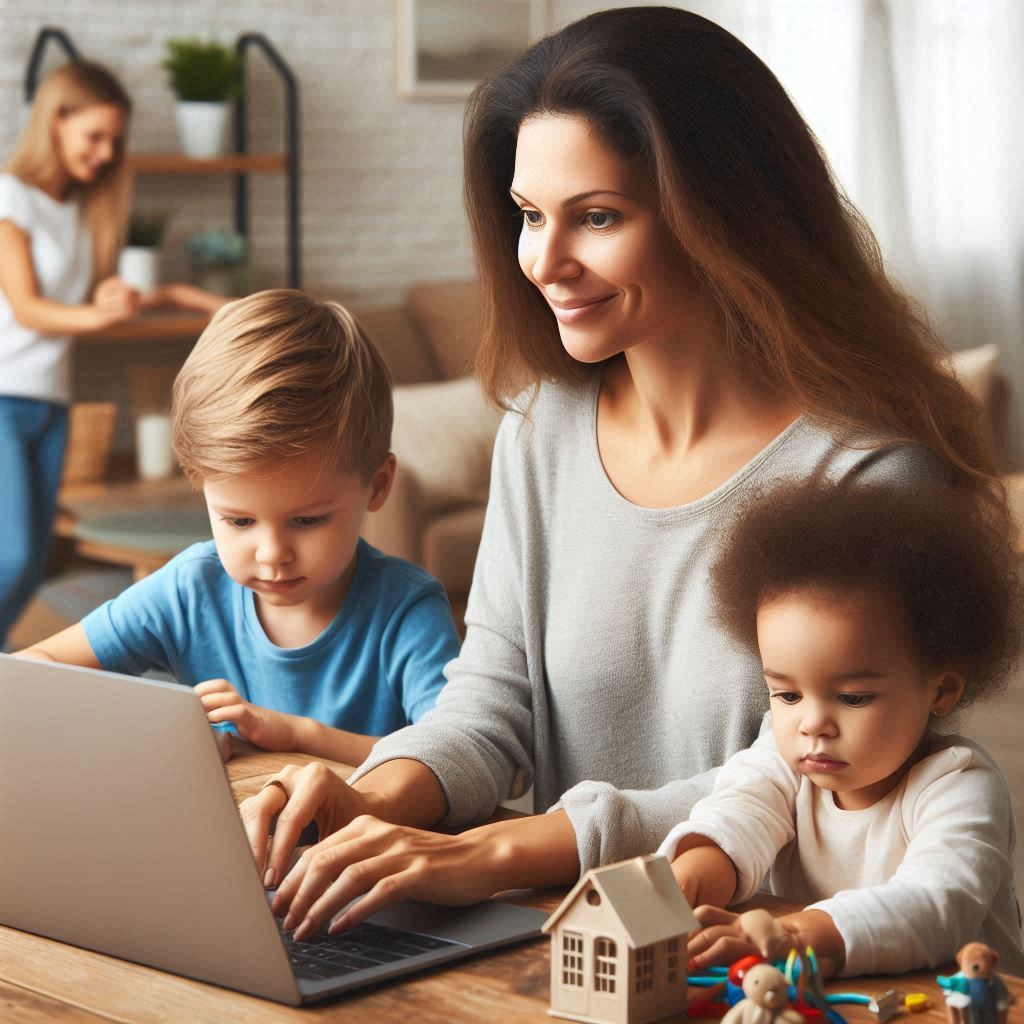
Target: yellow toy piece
(916, 1002)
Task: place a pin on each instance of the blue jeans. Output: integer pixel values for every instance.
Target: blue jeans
(33, 436)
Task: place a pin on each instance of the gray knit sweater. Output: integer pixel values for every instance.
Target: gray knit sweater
(593, 666)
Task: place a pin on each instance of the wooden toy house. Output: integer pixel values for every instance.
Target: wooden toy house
(618, 945)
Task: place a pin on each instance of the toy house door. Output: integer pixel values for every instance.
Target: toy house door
(609, 987)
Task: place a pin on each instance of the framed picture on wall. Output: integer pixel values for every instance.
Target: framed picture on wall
(446, 46)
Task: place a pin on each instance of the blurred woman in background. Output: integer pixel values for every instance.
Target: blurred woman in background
(64, 202)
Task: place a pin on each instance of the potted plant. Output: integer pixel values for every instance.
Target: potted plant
(219, 258)
(139, 262)
(206, 77)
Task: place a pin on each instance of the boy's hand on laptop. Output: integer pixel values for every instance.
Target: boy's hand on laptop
(271, 730)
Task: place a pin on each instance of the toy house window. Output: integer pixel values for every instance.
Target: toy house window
(644, 977)
(604, 965)
(572, 959)
(672, 960)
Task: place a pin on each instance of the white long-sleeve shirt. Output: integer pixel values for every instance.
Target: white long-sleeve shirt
(907, 881)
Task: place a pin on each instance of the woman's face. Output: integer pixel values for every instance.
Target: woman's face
(593, 242)
(88, 140)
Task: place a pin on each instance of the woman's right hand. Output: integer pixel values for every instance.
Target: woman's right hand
(114, 301)
(298, 796)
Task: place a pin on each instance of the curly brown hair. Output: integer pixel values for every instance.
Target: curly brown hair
(953, 569)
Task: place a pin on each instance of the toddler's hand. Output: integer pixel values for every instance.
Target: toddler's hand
(726, 937)
(271, 730)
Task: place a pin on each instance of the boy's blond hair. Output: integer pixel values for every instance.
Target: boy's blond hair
(280, 375)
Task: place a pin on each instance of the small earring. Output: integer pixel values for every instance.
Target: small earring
(936, 712)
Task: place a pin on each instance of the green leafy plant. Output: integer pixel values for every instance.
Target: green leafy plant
(203, 72)
(218, 247)
(146, 229)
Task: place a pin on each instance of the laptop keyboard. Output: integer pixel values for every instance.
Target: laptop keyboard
(366, 945)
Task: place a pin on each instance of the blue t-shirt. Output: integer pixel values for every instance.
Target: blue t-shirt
(376, 668)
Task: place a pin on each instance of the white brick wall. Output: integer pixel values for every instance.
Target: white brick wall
(381, 175)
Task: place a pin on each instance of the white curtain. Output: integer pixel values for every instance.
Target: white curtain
(914, 102)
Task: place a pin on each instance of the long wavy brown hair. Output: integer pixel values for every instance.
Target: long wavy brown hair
(105, 202)
(748, 195)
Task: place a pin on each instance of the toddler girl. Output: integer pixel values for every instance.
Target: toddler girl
(875, 612)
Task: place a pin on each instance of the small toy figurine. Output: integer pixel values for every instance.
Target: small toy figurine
(886, 1006)
(766, 999)
(987, 999)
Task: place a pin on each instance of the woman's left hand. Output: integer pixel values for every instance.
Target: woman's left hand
(383, 863)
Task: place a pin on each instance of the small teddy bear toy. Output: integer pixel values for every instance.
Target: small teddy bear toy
(988, 997)
(765, 999)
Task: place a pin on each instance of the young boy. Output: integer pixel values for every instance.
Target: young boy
(875, 612)
(287, 623)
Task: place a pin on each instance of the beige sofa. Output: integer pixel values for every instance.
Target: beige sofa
(443, 435)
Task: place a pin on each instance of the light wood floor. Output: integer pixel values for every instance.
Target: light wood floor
(998, 726)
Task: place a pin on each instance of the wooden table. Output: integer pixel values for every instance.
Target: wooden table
(46, 981)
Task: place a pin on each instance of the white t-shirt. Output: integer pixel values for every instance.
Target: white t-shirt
(34, 365)
(906, 881)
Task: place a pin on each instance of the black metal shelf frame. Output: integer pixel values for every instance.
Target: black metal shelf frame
(291, 140)
(246, 42)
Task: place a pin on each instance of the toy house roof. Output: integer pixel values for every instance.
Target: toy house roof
(644, 895)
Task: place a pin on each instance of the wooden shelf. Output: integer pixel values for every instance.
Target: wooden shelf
(236, 163)
(176, 326)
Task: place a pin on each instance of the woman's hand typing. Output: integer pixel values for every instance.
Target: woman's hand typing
(364, 854)
(292, 799)
(383, 863)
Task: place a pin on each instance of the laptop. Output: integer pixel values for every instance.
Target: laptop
(122, 836)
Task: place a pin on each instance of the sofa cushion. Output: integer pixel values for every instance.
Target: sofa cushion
(447, 316)
(444, 436)
(397, 338)
(450, 545)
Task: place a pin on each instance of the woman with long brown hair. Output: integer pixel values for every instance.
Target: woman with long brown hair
(63, 203)
(688, 310)
(64, 199)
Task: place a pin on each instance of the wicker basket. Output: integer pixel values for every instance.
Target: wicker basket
(90, 437)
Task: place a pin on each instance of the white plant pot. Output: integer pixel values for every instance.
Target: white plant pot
(154, 456)
(203, 128)
(139, 267)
